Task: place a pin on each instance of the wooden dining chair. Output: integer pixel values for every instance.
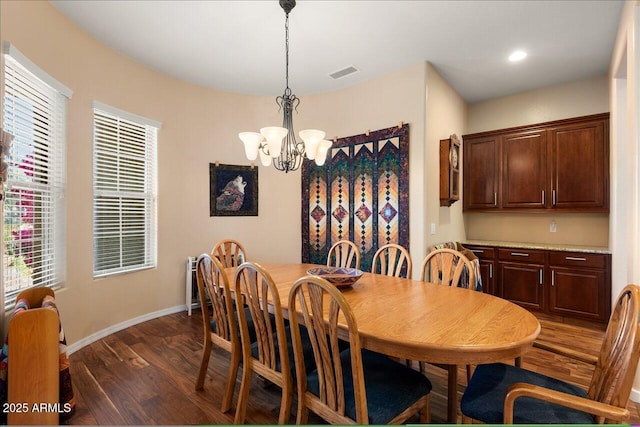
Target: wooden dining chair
(268, 356)
(448, 266)
(230, 252)
(344, 253)
(495, 390)
(220, 325)
(352, 385)
(392, 260)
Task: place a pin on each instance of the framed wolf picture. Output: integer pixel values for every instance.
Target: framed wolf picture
(233, 190)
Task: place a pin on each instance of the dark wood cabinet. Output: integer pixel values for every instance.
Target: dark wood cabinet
(564, 283)
(524, 170)
(486, 257)
(521, 277)
(580, 165)
(579, 285)
(558, 166)
(481, 168)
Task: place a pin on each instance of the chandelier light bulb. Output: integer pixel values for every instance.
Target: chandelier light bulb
(311, 138)
(323, 148)
(265, 158)
(251, 142)
(274, 135)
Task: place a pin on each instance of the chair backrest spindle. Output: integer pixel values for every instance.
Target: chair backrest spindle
(392, 260)
(344, 254)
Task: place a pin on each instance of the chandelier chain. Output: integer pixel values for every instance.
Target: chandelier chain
(286, 41)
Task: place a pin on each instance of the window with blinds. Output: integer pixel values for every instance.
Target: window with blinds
(124, 191)
(33, 215)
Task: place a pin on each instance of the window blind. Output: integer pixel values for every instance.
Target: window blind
(33, 217)
(124, 192)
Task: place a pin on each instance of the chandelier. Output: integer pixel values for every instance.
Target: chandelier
(278, 145)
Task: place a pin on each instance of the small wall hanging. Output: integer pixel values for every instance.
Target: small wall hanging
(233, 190)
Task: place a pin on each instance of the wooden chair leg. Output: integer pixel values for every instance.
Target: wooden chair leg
(425, 413)
(518, 362)
(302, 414)
(285, 407)
(231, 381)
(204, 365)
(243, 396)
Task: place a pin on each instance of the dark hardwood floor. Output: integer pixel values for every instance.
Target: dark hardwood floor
(145, 375)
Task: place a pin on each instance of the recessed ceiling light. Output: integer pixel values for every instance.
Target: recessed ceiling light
(518, 55)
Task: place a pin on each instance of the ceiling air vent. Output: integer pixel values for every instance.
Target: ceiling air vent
(344, 72)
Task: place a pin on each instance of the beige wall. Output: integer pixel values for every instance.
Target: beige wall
(573, 99)
(200, 126)
(584, 97)
(625, 157)
(446, 114)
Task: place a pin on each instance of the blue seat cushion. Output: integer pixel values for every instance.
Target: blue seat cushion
(391, 387)
(483, 399)
(307, 351)
(250, 325)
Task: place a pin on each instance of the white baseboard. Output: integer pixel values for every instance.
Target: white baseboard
(120, 326)
(635, 395)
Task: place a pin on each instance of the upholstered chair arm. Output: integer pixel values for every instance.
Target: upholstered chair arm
(593, 407)
(564, 351)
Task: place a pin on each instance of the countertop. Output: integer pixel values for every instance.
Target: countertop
(543, 246)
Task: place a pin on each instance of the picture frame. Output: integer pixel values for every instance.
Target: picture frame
(233, 190)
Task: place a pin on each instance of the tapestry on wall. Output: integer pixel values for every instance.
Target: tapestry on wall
(361, 194)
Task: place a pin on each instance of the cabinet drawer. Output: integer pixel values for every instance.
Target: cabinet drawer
(577, 259)
(482, 252)
(521, 255)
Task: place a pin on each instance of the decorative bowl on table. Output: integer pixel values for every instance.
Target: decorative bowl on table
(339, 276)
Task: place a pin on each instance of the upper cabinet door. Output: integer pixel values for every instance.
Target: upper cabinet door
(580, 166)
(560, 166)
(524, 170)
(481, 166)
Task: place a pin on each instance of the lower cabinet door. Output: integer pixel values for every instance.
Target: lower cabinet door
(487, 271)
(578, 292)
(522, 284)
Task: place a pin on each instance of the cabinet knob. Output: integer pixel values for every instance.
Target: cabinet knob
(573, 258)
(519, 254)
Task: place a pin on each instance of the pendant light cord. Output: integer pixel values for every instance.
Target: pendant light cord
(286, 40)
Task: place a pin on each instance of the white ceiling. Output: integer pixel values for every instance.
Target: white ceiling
(238, 46)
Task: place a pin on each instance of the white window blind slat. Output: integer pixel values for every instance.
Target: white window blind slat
(33, 231)
(124, 189)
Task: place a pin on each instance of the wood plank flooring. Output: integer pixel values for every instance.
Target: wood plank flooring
(146, 374)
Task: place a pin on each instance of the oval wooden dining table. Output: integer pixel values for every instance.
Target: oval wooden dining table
(427, 322)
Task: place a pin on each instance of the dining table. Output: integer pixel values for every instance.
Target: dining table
(426, 322)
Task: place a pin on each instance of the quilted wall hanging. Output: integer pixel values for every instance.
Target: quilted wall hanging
(361, 194)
